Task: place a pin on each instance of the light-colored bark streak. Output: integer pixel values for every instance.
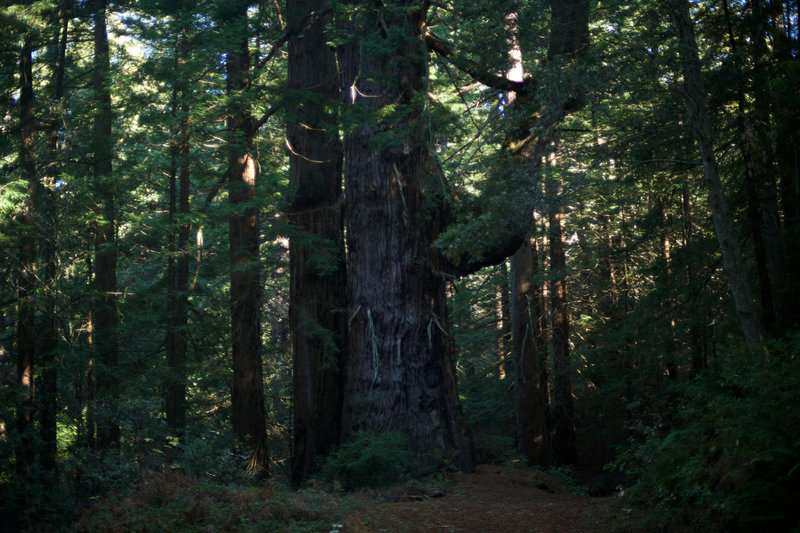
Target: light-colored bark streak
(396, 289)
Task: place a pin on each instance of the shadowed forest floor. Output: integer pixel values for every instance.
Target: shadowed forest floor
(493, 499)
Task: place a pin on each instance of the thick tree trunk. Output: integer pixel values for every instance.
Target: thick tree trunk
(400, 374)
(569, 28)
(700, 124)
(318, 279)
(249, 410)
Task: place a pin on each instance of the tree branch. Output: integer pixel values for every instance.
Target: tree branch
(267, 114)
(447, 51)
(505, 246)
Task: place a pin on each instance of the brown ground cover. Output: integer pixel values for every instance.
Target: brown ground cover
(493, 499)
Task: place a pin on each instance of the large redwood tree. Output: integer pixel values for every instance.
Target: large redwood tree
(399, 373)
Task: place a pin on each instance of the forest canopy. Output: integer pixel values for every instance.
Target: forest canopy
(360, 241)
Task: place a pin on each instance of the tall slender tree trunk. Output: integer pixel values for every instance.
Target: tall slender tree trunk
(105, 263)
(538, 309)
(528, 143)
(47, 388)
(671, 348)
(26, 284)
(760, 186)
(783, 57)
(178, 265)
(400, 374)
(765, 169)
(318, 279)
(531, 407)
(502, 319)
(569, 40)
(564, 448)
(700, 124)
(788, 156)
(771, 43)
(249, 410)
(532, 432)
(698, 357)
(91, 427)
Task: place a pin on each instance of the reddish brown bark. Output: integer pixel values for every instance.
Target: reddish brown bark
(533, 438)
(249, 410)
(400, 374)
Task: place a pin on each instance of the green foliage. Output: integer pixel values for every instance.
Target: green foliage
(371, 460)
(484, 364)
(213, 455)
(489, 411)
(729, 461)
(30, 502)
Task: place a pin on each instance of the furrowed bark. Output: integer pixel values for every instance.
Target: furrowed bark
(400, 374)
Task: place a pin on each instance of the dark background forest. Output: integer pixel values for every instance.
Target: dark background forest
(356, 242)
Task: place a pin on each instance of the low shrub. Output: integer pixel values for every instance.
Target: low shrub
(730, 459)
(370, 460)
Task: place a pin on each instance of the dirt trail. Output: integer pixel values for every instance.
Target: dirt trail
(493, 499)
